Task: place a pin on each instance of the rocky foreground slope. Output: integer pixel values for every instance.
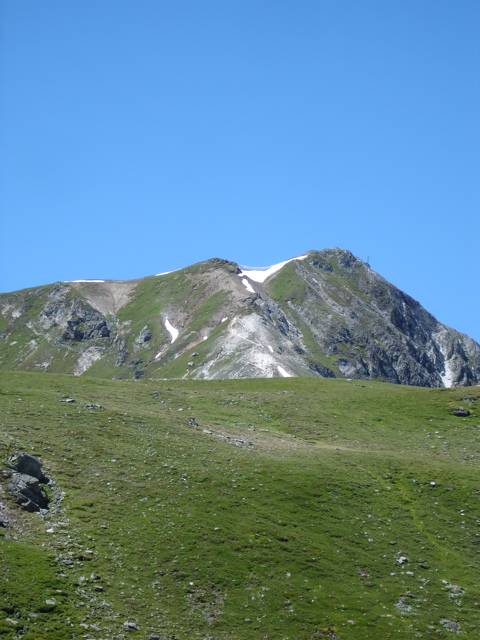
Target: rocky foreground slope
(326, 313)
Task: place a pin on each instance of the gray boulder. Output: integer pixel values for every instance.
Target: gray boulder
(461, 412)
(130, 626)
(28, 465)
(28, 492)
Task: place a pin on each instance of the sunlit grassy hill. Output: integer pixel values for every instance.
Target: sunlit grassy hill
(291, 509)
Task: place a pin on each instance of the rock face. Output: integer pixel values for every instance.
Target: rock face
(143, 337)
(326, 314)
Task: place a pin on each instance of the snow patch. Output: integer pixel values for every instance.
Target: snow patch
(271, 349)
(223, 319)
(248, 286)
(448, 375)
(260, 274)
(283, 373)
(85, 280)
(171, 330)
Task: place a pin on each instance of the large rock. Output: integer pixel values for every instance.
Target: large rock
(461, 412)
(29, 465)
(28, 492)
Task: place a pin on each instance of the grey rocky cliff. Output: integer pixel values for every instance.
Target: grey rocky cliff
(380, 332)
(324, 314)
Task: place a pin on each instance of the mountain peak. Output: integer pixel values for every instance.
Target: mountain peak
(322, 313)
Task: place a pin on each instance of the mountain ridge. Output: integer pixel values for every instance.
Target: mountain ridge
(324, 313)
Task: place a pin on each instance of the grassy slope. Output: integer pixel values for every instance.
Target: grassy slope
(295, 537)
(150, 299)
(288, 287)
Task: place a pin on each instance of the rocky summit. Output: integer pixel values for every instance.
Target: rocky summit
(325, 314)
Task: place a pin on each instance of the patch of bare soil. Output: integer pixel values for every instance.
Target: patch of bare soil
(107, 297)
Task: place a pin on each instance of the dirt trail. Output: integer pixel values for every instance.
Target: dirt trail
(270, 440)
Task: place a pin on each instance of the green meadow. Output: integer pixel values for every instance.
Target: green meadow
(280, 509)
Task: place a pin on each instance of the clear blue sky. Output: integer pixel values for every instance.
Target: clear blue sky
(141, 136)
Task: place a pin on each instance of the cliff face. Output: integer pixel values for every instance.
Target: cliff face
(323, 314)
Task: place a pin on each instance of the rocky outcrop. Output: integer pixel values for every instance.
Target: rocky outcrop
(30, 495)
(25, 482)
(142, 339)
(29, 465)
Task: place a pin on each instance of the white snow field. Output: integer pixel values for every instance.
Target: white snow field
(260, 274)
(171, 330)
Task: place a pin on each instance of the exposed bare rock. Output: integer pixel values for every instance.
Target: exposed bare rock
(30, 495)
(27, 464)
(451, 625)
(142, 338)
(461, 412)
(25, 482)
